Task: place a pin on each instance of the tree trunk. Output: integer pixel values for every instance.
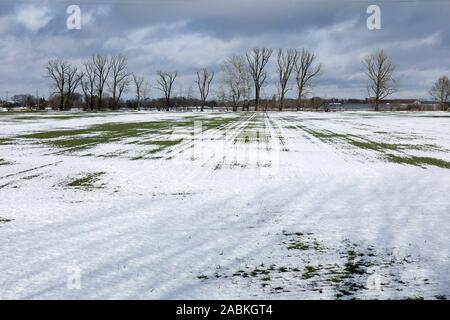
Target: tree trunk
(257, 89)
(61, 103)
(100, 102)
(299, 99)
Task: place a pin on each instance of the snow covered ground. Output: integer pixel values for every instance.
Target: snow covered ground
(221, 205)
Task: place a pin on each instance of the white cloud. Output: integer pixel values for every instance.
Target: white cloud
(33, 17)
(6, 22)
(415, 43)
(89, 17)
(186, 45)
(172, 45)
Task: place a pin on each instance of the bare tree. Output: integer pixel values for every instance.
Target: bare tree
(165, 84)
(380, 71)
(306, 70)
(440, 92)
(204, 79)
(221, 97)
(88, 81)
(57, 73)
(236, 79)
(73, 79)
(102, 68)
(145, 93)
(138, 82)
(257, 60)
(286, 62)
(189, 95)
(119, 78)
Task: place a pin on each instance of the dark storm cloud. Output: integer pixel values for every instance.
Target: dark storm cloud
(186, 35)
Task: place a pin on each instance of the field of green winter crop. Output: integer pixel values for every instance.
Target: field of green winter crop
(225, 205)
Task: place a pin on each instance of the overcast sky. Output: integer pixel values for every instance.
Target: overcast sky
(187, 35)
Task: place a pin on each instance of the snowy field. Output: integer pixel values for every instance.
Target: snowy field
(222, 205)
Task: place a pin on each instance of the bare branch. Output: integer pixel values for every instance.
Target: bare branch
(88, 82)
(257, 60)
(286, 62)
(380, 70)
(236, 79)
(102, 68)
(119, 78)
(204, 79)
(165, 84)
(306, 71)
(138, 82)
(56, 71)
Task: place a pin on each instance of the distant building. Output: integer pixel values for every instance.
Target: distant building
(23, 100)
(400, 101)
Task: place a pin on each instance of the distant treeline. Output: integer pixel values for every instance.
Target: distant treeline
(101, 83)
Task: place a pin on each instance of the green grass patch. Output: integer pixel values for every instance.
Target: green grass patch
(77, 139)
(418, 161)
(360, 143)
(297, 245)
(371, 145)
(383, 147)
(165, 143)
(161, 146)
(215, 123)
(310, 271)
(323, 135)
(85, 138)
(54, 134)
(86, 182)
(299, 241)
(5, 141)
(97, 134)
(79, 143)
(248, 136)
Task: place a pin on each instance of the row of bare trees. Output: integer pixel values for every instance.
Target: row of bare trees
(96, 76)
(166, 81)
(244, 73)
(101, 74)
(247, 72)
(241, 75)
(239, 72)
